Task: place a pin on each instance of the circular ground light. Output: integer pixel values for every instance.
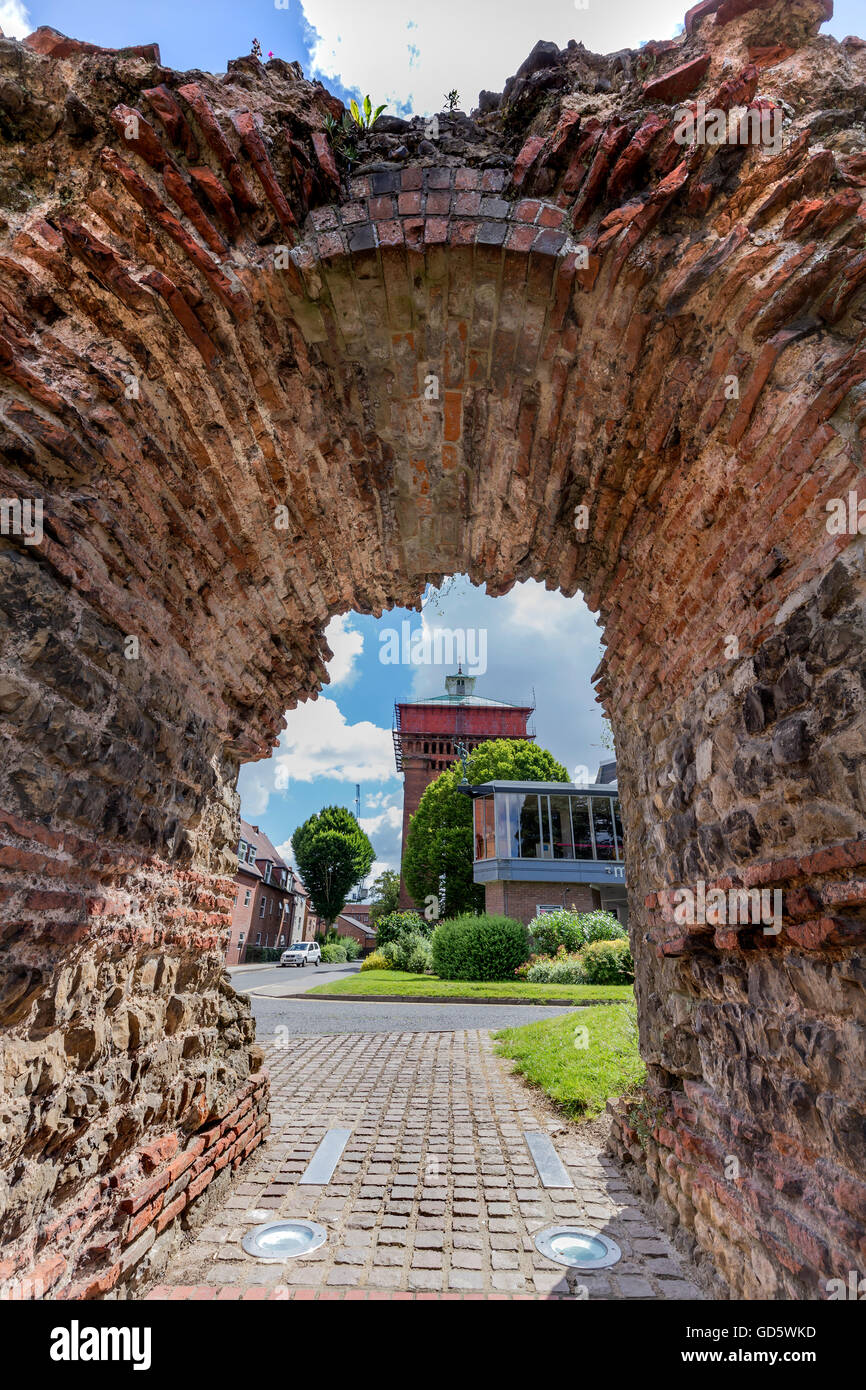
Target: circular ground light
(579, 1249)
(283, 1240)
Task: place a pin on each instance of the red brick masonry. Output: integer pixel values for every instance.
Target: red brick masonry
(96, 1244)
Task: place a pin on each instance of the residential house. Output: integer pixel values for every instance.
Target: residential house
(266, 903)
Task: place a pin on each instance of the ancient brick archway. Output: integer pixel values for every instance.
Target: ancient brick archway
(252, 391)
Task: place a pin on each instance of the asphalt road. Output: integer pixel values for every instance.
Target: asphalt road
(289, 979)
(321, 1015)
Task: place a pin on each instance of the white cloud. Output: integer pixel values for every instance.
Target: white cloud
(379, 867)
(258, 785)
(410, 56)
(535, 639)
(318, 742)
(347, 644)
(286, 852)
(372, 800)
(385, 832)
(391, 819)
(15, 19)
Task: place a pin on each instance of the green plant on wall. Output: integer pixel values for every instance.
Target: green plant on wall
(643, 1117)
(364, 116)
(343, 136)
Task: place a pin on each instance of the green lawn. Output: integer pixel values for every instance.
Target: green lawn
(387, 982)
(579, 1070)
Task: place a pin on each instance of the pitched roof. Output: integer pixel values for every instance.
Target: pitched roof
(355, 922)
(264, 848)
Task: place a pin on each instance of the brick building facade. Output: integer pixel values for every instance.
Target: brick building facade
(270, 903)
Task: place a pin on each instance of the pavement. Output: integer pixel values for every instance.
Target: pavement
(436, 1194)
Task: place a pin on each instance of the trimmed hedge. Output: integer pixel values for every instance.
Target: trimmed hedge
(479, 947)
(254, 955)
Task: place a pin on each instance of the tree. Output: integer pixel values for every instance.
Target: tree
(386, 895)
(332, 853)
(438, 858)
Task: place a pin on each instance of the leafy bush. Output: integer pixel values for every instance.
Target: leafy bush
(332, 954)
(375, 961)
(572, 930)
(483, 947)
(350, 946)
(413, 946)
(395, 925)
(608, 963)
(420, 959)
(562, 969)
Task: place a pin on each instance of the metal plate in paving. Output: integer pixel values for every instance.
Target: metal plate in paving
(320, 1168)
(283, 1240)
(577, 1248)
(546, 1160)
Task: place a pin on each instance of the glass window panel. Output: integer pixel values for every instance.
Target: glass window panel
(602, 820)
(489, 833)
(478, 808)
(582, 831)
(560, 828)
(502, 848)
(617, 820)
(513, 802)
(530, 826)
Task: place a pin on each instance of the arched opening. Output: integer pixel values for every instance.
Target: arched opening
(249, 400)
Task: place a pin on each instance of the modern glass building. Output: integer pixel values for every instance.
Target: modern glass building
(540, 845)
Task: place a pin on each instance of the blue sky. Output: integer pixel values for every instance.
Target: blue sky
(407, 55)
(399, 50)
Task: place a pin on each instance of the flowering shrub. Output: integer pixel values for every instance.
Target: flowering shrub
(561, 969)
(375, 961)
(608, 963)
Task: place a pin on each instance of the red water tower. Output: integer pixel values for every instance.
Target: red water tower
(426, 733)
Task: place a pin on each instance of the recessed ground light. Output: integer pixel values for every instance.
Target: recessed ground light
(579, 1249)
(283, 1240)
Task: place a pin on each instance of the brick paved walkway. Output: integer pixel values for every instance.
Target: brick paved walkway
(436, 1193)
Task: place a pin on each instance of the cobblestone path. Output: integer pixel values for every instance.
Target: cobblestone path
(436, 1192)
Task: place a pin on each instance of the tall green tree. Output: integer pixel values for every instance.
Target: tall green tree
(332, 853)
(386, 895)
(437, 862)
